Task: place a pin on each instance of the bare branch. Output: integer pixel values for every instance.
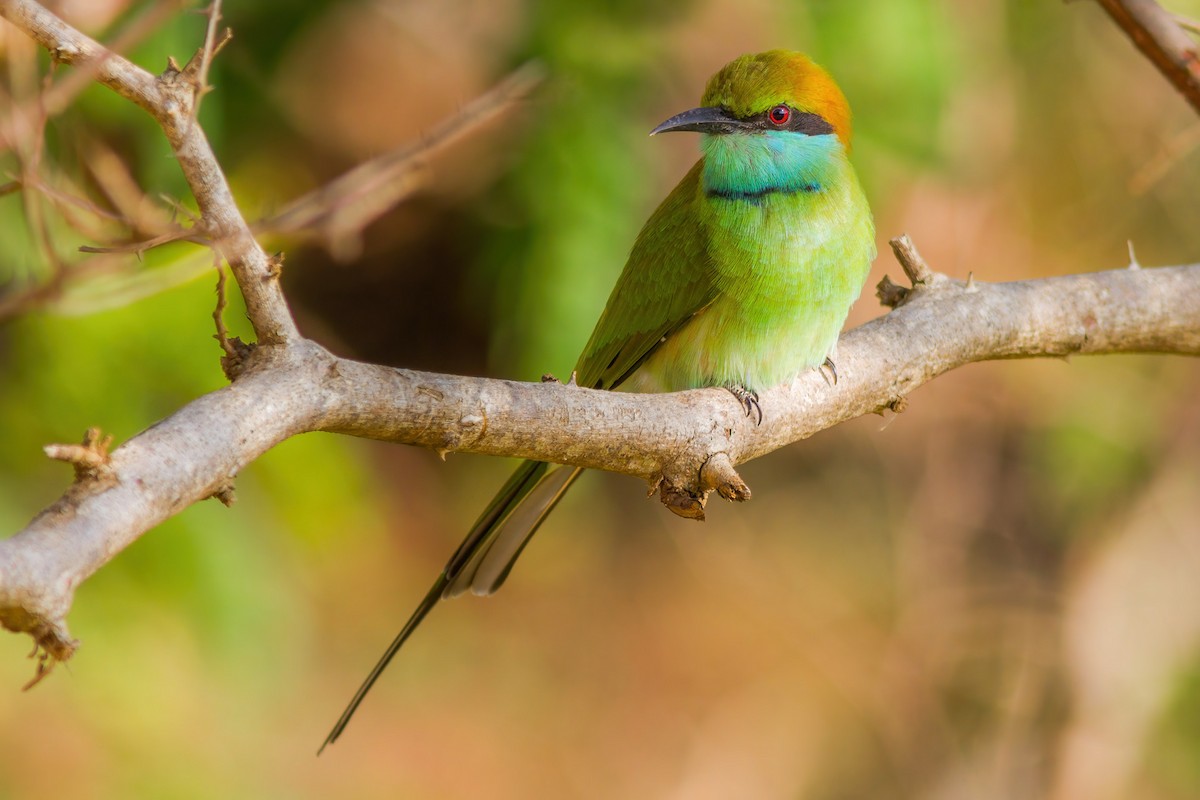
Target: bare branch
(686, 444)
(345, 206)
(140, 247)
(1161, 39)
(204, 58)
(170, 99)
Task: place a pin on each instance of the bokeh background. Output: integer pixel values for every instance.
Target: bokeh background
(992, 595)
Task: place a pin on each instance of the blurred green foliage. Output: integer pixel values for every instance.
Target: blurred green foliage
(901, 611)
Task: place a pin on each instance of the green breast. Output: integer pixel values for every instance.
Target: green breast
(787, 265)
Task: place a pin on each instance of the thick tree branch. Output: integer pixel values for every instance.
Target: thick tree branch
(686, 443)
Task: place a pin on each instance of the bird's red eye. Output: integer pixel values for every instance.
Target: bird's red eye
(779, 115)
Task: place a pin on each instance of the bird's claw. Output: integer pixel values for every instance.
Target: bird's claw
(831, 377)
(749, 401)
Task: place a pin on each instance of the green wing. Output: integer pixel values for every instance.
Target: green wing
(667, 279)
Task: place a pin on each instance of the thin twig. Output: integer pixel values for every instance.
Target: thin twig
(16, 303)
(134, 209)
(63, 198)
(1159, 165)
(139, 248)
(359, 196)
(179, 208)
(222, 334)
(211, 48)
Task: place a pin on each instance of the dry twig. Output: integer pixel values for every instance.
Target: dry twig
(345, 206)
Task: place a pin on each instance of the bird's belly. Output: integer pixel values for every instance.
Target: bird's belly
(785, 291)
(718, 348)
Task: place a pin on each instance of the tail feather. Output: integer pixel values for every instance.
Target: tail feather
(426, 605)
(491, 561)
(485, 557)
(511, 494)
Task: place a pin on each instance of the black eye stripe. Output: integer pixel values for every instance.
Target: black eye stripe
(800, 122)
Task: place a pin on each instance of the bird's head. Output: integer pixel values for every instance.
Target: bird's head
(778, 90)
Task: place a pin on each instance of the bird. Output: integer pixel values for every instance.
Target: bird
(742, 279)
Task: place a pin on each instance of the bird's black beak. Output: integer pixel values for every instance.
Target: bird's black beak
(707, 119)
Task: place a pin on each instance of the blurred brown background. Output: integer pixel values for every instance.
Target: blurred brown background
(991, 595)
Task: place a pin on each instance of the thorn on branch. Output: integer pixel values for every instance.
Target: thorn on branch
(1133, 262)
(899, 405)
(196, 69)
(90, 459)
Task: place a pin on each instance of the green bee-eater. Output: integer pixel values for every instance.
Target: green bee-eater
(742, 279)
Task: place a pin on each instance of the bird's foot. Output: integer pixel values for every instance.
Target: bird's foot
(828, 371)
(749, 401)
